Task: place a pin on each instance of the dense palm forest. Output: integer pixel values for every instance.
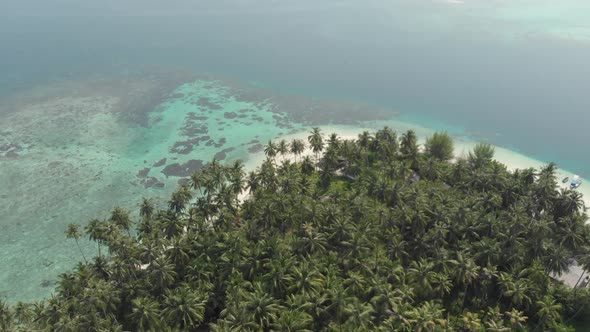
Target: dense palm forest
(375, 234)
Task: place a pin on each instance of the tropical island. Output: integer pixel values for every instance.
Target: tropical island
(375, 233)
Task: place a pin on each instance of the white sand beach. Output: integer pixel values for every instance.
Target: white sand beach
(513, 160)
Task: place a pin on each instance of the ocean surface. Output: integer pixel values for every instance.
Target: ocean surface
(104, 102)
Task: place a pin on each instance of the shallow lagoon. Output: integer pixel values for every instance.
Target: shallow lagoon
(72, 157)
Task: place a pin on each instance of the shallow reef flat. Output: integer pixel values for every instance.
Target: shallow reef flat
(73, 152)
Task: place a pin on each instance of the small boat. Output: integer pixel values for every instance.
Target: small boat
(576, 182)
(565, 180)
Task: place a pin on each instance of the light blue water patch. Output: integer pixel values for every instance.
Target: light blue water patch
(71, 159)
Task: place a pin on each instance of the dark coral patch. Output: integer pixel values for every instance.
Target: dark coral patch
(184, 182)
(190, 129)
(183, 170)
(143, 173)
(194, 117)
(152, 182)
(206, 102)
(185, 147)
(230, 115)
(182, 147)
(47, 283)
(160, 162)
(10, 150)
(11, 155)
(255, 148)
(221, 155)
(10, 146)
(221, 142)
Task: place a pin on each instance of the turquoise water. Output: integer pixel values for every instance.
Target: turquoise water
(73, 159)
(95, 94)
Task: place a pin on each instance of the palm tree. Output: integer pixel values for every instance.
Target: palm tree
(184, 309)
(293, 320)
(270, 150)
(312, 242)
(360, 318)
(261, 308)
(471, 321)
(572, 232)
(567, 203)
(307, 166)
(465, 272)
(145, 314)
(519, 293)
(180, 199)
(316, 142)
(236, 186)
(548, 312)
(73, 232)
(161, 273)
(556, 261)
(547, 173)
(122, 219)
(442, 285)
(421, 272)
(283, 148)
(333, 142)
(306, 280)
(427, 317)
(6, 320)
(494, 321)
(364, 141)
(171, 225)
(252, 182)
(278, 277)
(409, 145)
(517, 319)
(198, 180)
(439, 146)
(146, 209)
(339, 300)
(96, 232)
(297, 147)
(23, 312)
(482, 155)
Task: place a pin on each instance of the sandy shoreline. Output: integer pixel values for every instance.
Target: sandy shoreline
(513, 160)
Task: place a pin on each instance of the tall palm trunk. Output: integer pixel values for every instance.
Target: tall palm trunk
(580, 278)
(79, 248)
